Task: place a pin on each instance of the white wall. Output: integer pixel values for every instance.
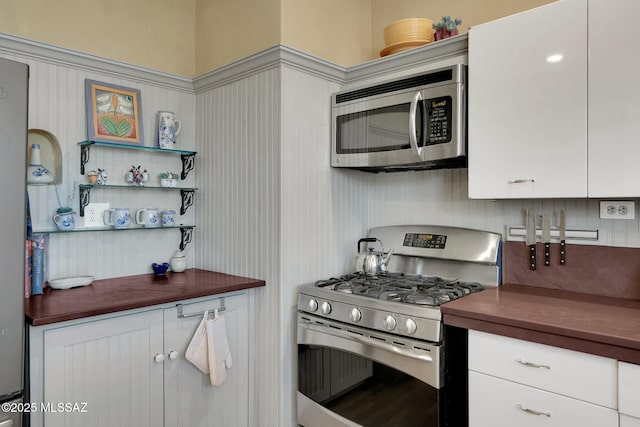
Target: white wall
(57, 105)
(440, 197)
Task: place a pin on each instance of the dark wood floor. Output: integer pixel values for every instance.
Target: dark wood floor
(379, 403)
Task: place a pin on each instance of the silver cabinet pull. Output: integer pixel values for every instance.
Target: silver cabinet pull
(532, 412)
(521, 181)
(532, 365)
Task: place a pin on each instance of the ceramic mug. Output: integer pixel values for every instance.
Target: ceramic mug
(148, 217)
(65, 221)
(117, 217)
(168, 218)
(168, 128)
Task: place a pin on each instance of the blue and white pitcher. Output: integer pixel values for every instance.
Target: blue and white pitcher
(65, 221)
(168, 128)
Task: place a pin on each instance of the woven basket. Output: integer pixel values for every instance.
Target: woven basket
(408, 30)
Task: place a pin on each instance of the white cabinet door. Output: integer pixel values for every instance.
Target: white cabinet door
(499, 403)
(614, 99)
(626, 421)
(190, 399)
(109, 364)
(528, 104)
(629, 389)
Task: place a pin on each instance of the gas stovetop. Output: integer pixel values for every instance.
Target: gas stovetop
(406, 299)
(403, 288)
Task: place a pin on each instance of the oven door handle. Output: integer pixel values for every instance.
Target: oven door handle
(366, 341)
(413, 138)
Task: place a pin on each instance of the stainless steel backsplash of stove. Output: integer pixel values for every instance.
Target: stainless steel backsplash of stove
(372, 348)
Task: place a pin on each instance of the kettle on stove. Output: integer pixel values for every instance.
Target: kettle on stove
(372, 263)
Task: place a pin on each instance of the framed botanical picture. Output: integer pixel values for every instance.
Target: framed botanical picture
(113, 113)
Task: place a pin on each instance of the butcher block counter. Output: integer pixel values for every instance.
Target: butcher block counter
(594, 324)
(130, 292)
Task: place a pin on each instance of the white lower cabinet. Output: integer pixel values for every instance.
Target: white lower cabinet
(130, 370)
(629, 394)
(497, 402)
(626, 421)
(520, 383)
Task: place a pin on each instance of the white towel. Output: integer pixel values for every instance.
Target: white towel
(198, 349)
(219, 353)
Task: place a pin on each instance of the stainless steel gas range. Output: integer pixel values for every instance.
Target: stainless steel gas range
(372, 348)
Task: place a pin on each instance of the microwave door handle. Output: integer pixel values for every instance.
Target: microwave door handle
(413, 138)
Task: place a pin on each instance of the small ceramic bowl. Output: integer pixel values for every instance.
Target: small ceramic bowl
(160, 269)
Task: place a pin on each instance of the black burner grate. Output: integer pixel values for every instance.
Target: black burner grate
(420, 290)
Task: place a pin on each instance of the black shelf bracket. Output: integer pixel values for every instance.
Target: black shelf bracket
(85, 197)
(185, 237)
(84, 157)
(188, 163)
(187, 200)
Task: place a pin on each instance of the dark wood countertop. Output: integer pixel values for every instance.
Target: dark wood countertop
(130, 292)
(592, 324)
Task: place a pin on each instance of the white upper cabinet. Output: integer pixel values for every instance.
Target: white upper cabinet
(614, 98)
(528, 104)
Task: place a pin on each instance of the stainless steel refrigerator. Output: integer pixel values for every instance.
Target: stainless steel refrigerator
(13, 163)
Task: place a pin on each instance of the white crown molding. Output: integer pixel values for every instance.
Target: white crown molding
(285, 55)
(269, 58)
(29, 49)
(433, 52)
(275, 56)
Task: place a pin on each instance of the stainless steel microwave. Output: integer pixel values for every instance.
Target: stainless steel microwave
(412, 123)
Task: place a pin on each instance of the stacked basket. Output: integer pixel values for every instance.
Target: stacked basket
(407, 34)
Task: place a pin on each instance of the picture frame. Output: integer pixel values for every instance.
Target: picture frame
(113, 113)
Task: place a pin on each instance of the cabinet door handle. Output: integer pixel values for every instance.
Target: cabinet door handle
(532, 365)
(158, 358)
(173, 355)
(532, 412)
(521, 181)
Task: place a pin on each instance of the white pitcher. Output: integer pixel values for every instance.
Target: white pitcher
(168, 128)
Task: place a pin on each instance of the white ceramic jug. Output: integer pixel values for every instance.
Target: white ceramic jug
(168, 128)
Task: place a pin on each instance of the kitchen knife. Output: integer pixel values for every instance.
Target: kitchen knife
(563, 257)
(546, 239)
(531, 238)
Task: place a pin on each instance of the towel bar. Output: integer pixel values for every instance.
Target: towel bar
(181, 315)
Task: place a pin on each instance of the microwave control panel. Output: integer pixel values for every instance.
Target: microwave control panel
(439, 120)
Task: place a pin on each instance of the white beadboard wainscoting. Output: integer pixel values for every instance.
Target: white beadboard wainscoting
(268, 204)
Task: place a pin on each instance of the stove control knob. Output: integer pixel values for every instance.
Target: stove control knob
(355, 314)
(390, 323)
(313, 305)
(411, 326)
(326, 308)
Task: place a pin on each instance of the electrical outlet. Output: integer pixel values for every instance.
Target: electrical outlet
(617, 209)
(93, 214)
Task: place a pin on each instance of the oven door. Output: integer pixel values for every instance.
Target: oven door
(349, 376)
